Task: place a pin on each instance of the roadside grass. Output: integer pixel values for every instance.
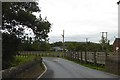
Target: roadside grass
(92, 66)
(89, 65)
(51, 54)
(24, 59)
(32, 72)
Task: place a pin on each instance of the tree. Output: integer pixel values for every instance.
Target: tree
(43, 28)
(60, 44)
(21, 13)
(9, 49)
(15, 14)
(83, 46)
(18, 13)
(104, 43)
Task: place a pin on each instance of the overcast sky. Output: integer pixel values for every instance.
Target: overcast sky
(81, 19)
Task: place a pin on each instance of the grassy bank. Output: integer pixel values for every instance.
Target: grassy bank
(32, 72)
(19, 60)
(90, 65)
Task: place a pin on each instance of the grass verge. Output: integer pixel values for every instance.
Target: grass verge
(89, 65)
(19, 60)
(32, 72)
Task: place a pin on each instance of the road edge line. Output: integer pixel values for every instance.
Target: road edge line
(43, 72)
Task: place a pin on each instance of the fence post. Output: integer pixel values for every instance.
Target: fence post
(64, 55)
(72, 56)
(75, 55)
(81, 56)
(78, 56)
(85, 56)
(69, 56)
(94, 56)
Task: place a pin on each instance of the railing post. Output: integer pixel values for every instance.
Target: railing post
(81, 56)
(94, 56)
(75, 55)
(85, 57)
(72, 56)
(78, 56)
(64, 55)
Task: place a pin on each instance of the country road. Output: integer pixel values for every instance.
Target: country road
(61, 68)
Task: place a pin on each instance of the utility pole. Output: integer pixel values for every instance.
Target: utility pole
(86, 40)
(86, 51)
(63, 41)
(86, 43)
(63, 36)
(104, 38)
(104, 43)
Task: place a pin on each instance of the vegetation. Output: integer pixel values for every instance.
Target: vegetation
(83, 46)
(9, 49)
(35, 46)
(92, 66)
(16, 17)
(23, 59)
(56, 44)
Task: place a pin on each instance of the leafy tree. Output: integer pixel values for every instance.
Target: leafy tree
(9, 49)
(15, 14)
(104, 43)
(57, 44)
(21, 13)
(18, 13)
(83, 46)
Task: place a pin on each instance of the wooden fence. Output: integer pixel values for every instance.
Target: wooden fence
(92, 57)
(111, 61)
(87, 57)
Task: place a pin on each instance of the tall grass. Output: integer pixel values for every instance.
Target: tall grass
(23, 59)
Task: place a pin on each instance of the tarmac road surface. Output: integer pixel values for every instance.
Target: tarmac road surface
(61, 68)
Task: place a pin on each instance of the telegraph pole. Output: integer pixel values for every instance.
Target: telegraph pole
(86, 40)
(104, 42)
(63, 41)
(63, 36)
(105, 36)
(86, 43)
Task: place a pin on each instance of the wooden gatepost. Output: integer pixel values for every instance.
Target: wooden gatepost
(112, 63)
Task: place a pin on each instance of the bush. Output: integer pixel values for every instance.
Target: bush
(10, 45)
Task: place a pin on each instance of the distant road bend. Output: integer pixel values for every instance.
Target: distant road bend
(61, 68)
